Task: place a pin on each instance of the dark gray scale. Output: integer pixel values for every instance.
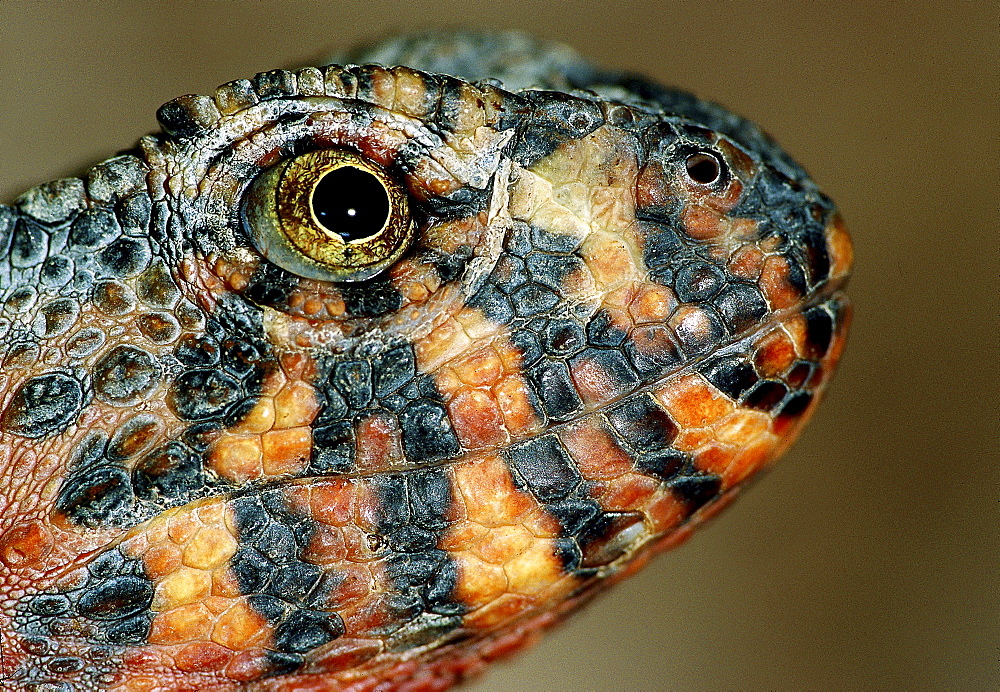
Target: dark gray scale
(643, 428)
(43, 405)
(660, 359)
(109, 609)
(282, 587)
(741, 306)
(548, 119)
(125, 375)
(588, 534)
(385, 383)
(412, 516)
(732, 374)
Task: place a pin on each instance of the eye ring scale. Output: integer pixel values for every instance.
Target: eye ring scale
(329, 215)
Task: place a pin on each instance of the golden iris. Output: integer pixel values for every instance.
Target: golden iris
(329, 215)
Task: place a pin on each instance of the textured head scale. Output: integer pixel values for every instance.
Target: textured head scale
(604, 305)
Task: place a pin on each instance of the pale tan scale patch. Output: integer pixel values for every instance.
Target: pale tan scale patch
(441, 345)
(410, 93)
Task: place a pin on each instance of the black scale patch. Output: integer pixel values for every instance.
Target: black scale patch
(282, 587)
(413, 514)
(545, 469)
(121, 481)
(105, 613)
(385, 383)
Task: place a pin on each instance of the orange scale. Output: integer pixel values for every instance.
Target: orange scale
(665, 511)
(353, 583)
(361, 547)
(295, 405)
(541, 524)
(503, 542)
(691, 439)
(224, 584)
(715, 459)
(217, 604)
(839, 247)
(514, 397)
(491, 499)
(776, 284)
(161, 559)
(202, 657)
(625, 493)
(344, 653)
(378, 442)
(247, 666)
(693, 402)
(476, 419)
(462, 535)
(775, 353)
(596, 453)
(702, 223)
(751, 459)
(367, 508)
(326, 546)
(237, 458)
(482, 367)
(652, 304)
(747, 262)
(479, 582)
(183, 527)
(332, 501)
(796, 328)
(187, 623)
(741, 426)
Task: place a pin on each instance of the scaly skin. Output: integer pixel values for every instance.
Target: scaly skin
(218, 474)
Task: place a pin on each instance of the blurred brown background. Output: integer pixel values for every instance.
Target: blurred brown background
(868, 557)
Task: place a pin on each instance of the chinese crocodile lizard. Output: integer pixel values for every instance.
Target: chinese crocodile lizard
(362, 376)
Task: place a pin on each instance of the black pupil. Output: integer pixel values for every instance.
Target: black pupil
(351, 202)
(703, 168)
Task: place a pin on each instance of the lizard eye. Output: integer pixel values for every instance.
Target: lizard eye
(704, 168)
(329, 215)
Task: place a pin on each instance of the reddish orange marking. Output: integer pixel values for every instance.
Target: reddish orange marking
(747, 262)
(476, 418)
(627, 492)
(774, 282)
(593, 383)
(202, 657)
(702, 223)
(378, 443)
(597, 454)
(652, 304)
(514, 400)
(692, 402)
(25, 544)
(839, 247)
(775, 353)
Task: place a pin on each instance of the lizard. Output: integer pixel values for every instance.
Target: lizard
(363, 376)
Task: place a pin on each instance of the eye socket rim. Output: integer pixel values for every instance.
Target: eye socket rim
(279, 217)
(703, 155)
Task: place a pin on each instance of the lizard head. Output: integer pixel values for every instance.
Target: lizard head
(358, 364)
